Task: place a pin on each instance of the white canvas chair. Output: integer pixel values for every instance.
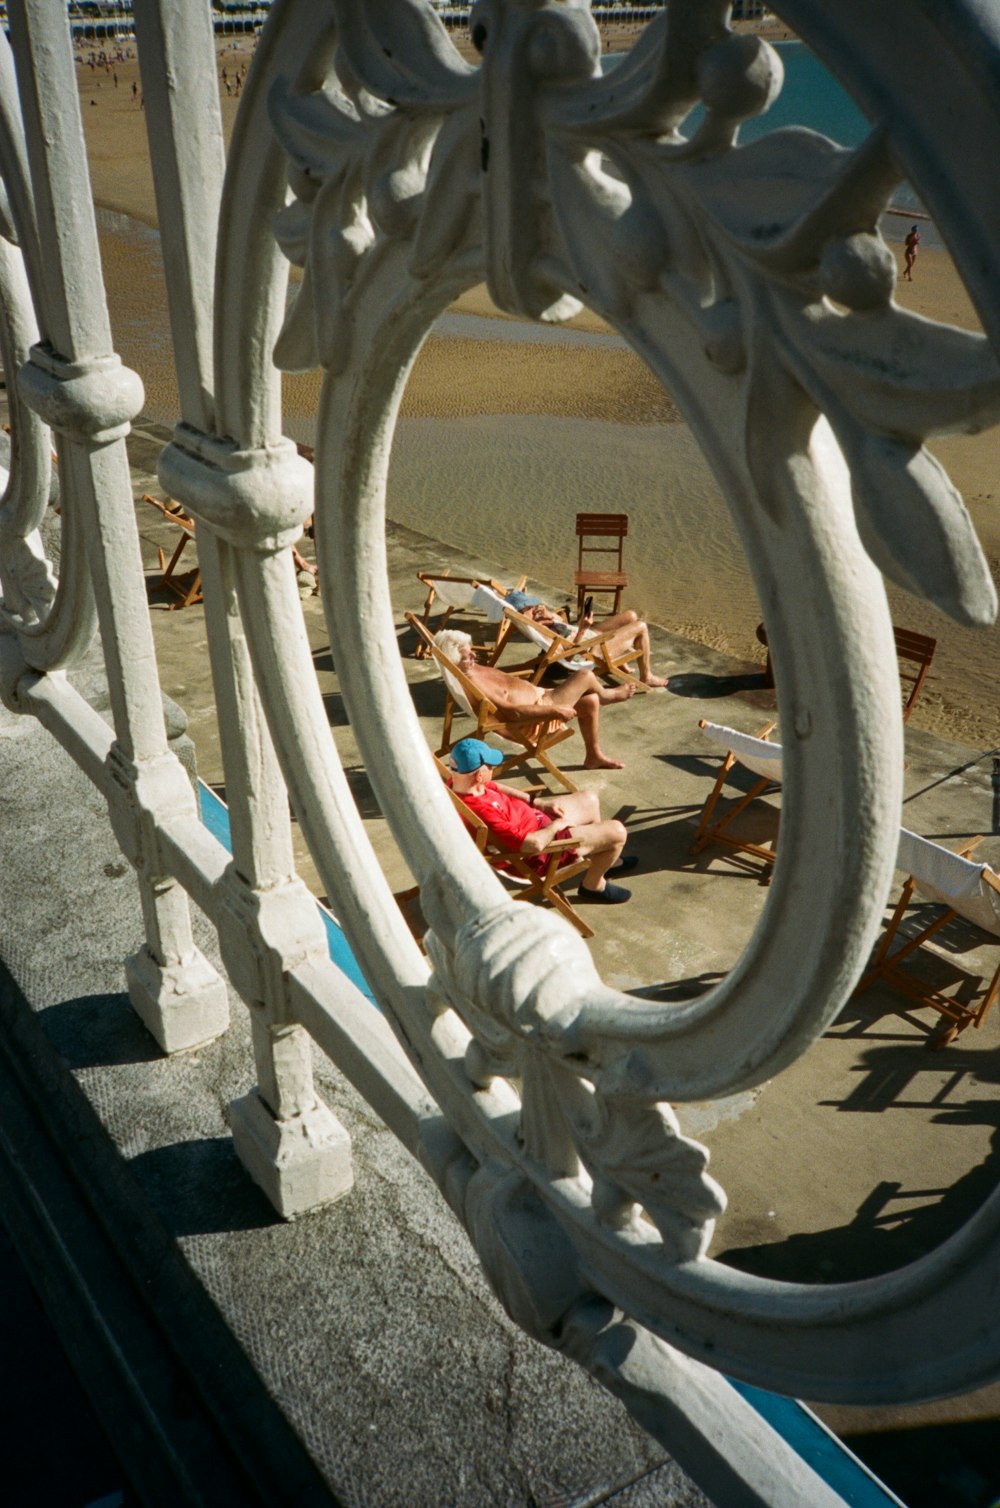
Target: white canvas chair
(448, 594)
(960, 888)
(593, 653)
(762, 759)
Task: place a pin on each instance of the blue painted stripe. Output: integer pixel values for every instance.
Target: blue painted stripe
(215, 816)
(820, 1448)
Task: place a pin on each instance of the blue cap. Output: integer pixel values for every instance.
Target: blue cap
(470, 753)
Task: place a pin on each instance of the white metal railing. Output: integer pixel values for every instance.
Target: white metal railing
(756, 285)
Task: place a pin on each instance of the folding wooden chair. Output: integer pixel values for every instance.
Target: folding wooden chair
(532, 879)
(594, 652)
(453, 593)
(762, 759)
(175, 515)
(912, 650)
(600, 534)
(915, 652)
(533, 739)
(960, 889)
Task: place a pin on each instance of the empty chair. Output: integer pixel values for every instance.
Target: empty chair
(959, 888)
(914, 652)
(600, 538)
(762, 759)
(175, 515)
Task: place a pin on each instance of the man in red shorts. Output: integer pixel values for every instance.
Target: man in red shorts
(527, 824)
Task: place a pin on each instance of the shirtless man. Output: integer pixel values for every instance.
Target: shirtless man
(628, 630)
(580, 696)
(527, 824)
(910, 249)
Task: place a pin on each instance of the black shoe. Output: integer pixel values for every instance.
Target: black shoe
(611, 895)
(627, 862)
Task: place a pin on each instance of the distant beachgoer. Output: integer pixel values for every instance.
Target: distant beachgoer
(580, 696)
(910, 246)
(629, 633)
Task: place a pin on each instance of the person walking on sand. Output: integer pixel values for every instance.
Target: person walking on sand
(580, 696)
(910, 246)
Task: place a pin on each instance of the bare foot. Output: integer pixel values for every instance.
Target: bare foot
(657, 680)
(602, 762)
(618, 693)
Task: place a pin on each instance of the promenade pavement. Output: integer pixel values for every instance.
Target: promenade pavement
(864, 1154)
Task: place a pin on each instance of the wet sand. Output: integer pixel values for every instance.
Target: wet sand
(505, 440)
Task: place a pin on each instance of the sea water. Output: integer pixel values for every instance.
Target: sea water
(507, 487)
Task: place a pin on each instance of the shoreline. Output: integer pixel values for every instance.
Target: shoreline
(462, 388)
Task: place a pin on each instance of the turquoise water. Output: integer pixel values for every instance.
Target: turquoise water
(811, 96)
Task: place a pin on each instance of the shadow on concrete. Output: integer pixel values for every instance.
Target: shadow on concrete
(96, 1031)
(953, 1465)
(336, 712)
(323, 660)
(894, 1225)
(676, 991)
(361, 789)
(201, 1188)
(697, 684)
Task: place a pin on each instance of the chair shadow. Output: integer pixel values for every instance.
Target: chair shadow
(881, 1238)
(703, 687)
(676, 991)
(323, 660)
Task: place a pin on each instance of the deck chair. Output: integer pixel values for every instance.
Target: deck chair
(460, 593)
(601, 534)
(553, 648)
(961, 888)
(175, 515)
(762, 759)
(534, 740)
(528, 882)
(914, 652)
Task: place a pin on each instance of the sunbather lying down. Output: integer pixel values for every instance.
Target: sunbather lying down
(580, 696)
(629, 632)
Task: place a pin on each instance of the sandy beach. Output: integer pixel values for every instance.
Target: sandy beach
(504, 437)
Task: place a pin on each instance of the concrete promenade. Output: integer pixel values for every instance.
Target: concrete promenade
(369, 1324)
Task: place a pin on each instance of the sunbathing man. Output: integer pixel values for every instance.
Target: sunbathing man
(629, 632)
(581, 695)
(527, 824)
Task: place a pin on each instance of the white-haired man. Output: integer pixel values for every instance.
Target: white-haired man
(581, 696)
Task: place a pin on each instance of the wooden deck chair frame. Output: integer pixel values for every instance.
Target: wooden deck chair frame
(887, 966)
(916, 650)
(912, 649)
(716, 832)
(174, 514)
(553, 649)
(534, 739)
(430, 580)
(534, 884)
(612, 529)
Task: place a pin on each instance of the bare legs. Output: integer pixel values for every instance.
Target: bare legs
(599, 841)
(634, 635)
(586, 693)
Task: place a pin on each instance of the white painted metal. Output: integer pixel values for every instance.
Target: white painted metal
(756, 285)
